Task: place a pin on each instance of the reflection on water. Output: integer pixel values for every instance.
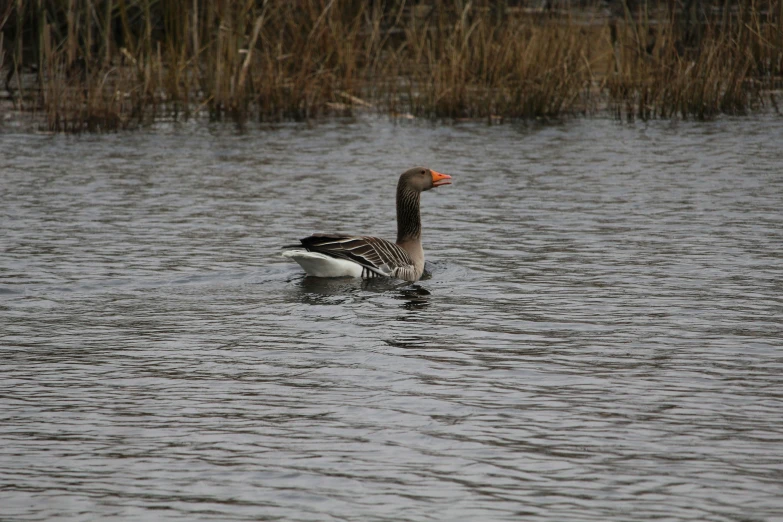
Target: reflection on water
(598, 337)
(415, 297)
(316, 290)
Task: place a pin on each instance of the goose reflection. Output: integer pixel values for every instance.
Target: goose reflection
(414, 297)
(334, 291)
(326, 291)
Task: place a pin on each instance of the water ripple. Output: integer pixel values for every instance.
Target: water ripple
(598, 339)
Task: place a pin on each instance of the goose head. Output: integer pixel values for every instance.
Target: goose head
(422, 178)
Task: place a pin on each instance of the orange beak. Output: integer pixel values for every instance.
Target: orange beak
(439, 179)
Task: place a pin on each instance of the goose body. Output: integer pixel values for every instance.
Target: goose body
(342, 255)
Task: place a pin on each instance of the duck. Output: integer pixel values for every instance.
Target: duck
(368, 257)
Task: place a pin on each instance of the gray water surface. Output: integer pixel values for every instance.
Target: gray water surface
(601, 337)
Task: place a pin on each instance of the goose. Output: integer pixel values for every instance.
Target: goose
(367, 257)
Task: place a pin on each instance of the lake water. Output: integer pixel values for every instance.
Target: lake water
(601, 336)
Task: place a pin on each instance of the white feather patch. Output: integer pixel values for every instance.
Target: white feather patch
(321, 265)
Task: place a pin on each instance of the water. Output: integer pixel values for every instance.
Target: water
(600, 338)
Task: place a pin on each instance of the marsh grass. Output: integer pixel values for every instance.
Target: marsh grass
(113, 64)
(474, 66)
(731, 63)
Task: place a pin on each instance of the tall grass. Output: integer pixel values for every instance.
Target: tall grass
(725, 61)
(91, 65)
(470, 64)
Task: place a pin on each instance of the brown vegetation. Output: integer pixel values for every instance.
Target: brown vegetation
(729, 62)
(109, 64)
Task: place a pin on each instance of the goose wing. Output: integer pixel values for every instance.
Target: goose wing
(378, 256)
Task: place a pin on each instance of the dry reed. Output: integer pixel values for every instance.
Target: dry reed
(112, 64)
(729, 61)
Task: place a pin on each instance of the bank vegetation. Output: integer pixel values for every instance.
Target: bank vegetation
(90, 65)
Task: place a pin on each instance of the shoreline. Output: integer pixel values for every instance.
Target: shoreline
(13, 121)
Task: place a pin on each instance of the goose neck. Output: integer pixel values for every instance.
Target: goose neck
(408, 215)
